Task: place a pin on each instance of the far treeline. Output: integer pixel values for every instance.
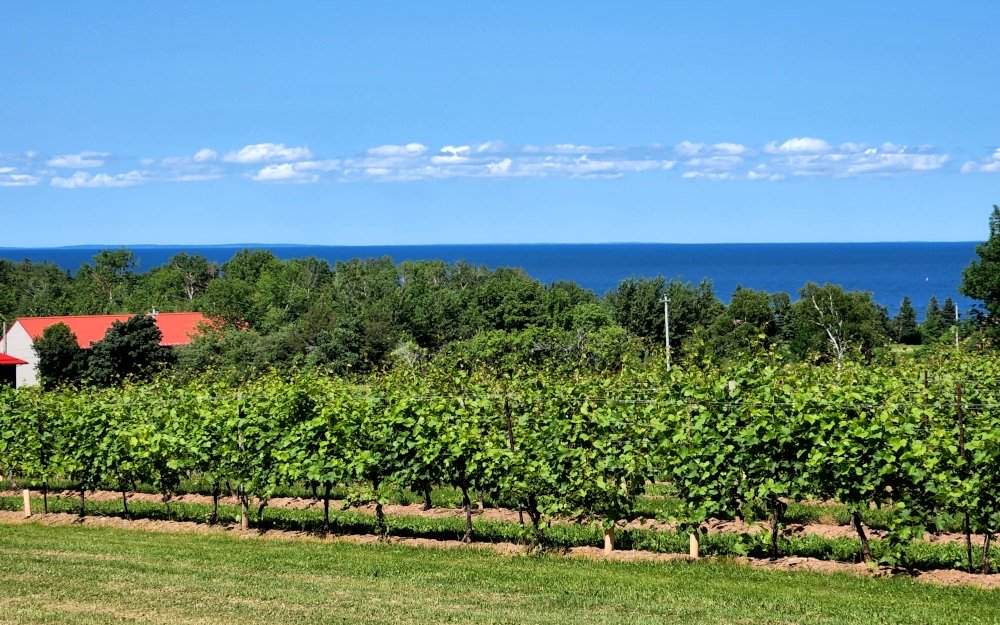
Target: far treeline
(365, 315)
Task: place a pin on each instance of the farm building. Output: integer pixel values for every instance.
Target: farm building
(8, 369)
(18, 342)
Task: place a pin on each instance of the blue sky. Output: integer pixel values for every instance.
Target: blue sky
(458, 122)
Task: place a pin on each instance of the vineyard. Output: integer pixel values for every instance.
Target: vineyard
(916, 443)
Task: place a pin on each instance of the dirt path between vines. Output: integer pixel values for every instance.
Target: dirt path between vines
(942, 577)
(713, 526)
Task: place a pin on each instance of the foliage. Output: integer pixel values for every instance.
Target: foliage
(637, 306)
(350, 318)
(753, 320)
(903, 327)
(61, 361)
(129, 349)
(981, 279)
(833, 323)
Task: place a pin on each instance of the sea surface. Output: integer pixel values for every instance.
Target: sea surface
(889, 271)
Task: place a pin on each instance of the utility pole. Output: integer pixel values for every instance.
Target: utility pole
(956, 326)
(666, 327)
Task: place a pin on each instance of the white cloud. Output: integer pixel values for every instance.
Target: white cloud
(570, 148)
(724, 160)
(689, 148)
(265, 152)
(449, 160)
(491, 146)
(989, 165)
(714, 162)
(332, 164)
(83, 180)
(798, 145)
(77, 161)
(203, 155)
(708, 175)
(731, 148)
(11, 177)
(285, 172)
(455, 150)
(567, 148)
(894, 163)
(853, 159)
(499, 168)
(850, 146)
(453, 155)
(761, 172)
(211, 175)
(410, 149)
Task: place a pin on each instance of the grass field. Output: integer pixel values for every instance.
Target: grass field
(920, 555)
(98, 575)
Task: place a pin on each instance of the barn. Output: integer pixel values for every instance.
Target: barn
(18, 341)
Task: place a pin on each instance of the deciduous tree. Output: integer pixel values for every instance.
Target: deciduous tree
(61, 361)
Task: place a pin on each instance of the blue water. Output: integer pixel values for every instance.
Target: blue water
(889, 270)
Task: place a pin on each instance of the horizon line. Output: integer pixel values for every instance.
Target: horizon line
(482, 244)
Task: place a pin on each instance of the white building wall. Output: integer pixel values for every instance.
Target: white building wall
(20, 345)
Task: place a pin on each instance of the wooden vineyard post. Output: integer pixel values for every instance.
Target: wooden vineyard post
(609, 539)
(694, 546)
(961, 453)
(27, 503)
(244, 511)
(241, 489)
(510, 439)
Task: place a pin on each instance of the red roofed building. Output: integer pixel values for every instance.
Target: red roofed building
(8, 369)
(177, 329)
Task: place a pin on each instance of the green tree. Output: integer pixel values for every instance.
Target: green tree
(981, 279)
(509, 299)
(933, 324)
(176, 285)
(832, 322)
(61, 361)
(752, 319)
(637, 306)
(236, 298)
(129, 349)
(564, 300)
(32, 289)
(105, 286)
(949, 312)
(904, 325)
(368, 304)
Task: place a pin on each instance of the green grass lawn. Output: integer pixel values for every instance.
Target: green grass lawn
(96, 575)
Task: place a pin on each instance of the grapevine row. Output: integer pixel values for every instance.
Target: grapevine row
(910, 436)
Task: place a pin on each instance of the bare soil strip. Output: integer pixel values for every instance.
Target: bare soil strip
(942, 577)
(713, 526)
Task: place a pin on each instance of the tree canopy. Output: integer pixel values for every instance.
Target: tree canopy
(981, 279)
(129, 349)
(61, 361)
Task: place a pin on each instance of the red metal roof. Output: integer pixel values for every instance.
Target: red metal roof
(6, 359)
(177, 328)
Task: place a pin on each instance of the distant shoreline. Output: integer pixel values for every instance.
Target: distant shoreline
(890, 270)
(134, 246)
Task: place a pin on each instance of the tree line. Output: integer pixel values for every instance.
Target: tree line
(365, 314)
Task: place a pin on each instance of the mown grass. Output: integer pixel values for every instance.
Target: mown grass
(88, 575)
(916, 555)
